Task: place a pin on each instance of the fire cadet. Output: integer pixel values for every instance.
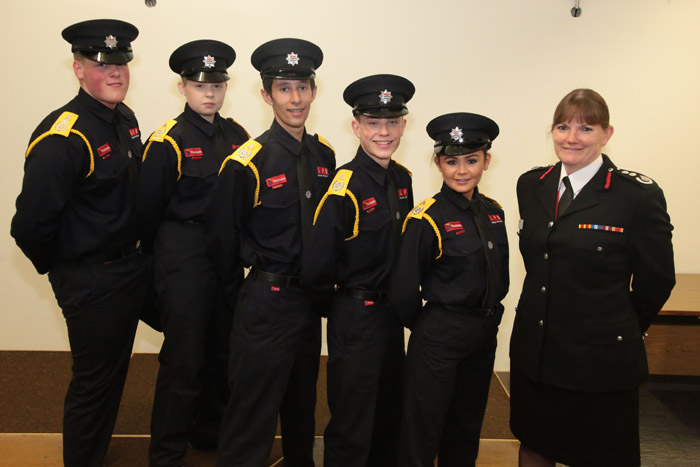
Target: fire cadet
(76, 220)
(180, 165)
(261, 212)
(355, 236)
(453, 255)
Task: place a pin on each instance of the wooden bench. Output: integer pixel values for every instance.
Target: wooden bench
(673, 341)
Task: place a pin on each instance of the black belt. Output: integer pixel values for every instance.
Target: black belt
(102, 258)
(362, 294)
(277, 279)
(470, 310)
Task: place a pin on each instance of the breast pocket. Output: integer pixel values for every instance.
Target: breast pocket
(601, 251)
(200, 169)
(110, 171)
(281, 196)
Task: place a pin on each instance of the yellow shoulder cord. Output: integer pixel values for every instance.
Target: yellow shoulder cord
(437, 233)
(244, 155)
(419, 212)
(177, 152)
(64, 126)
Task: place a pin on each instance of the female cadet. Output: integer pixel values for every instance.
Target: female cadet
(180, 165)
(596, 242)
(454, 255)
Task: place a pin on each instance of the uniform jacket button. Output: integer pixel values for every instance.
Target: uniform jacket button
(544, 289)
(541, 323)
(550, 224)
(619, 338)
(546, 256)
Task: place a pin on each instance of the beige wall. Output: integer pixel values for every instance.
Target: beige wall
(509, 59)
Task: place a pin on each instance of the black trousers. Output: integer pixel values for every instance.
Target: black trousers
(191, 386)
(448, 372)
(365, 360)
(275, 352)
(101, 304)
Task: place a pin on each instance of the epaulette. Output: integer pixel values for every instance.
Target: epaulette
(325, 142)
(496, 203)
(340, 182)
(245, 153)
(160, 134)
(540, 167)
(241, 126)
(63, 126)
(410, 174)
(339, 187)
(635, 176)
(419, 212)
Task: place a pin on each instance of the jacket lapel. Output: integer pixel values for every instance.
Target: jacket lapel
(590, 194)
(547, 191)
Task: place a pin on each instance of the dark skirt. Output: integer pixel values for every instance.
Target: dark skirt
(576, 428)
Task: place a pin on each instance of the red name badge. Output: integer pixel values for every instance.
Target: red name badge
(134, 132)
(194, 153)
(403, 193)
(322, 171)
(276, 181)
(104, 150)
(369, 204)
(495, 218)
(450, 226)
(369, 302)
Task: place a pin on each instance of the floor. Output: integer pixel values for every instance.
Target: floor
(669, 432)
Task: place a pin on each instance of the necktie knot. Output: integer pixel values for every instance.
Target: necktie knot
(566, 197)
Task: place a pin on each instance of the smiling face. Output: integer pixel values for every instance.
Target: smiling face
(577, 144)
(291, 102)
(204, 98)
(463, 172)
(379, 137)
(107, 83)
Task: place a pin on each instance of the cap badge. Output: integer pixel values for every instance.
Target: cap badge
(456, 133)
(110, 41)
(209, 61)
(385, 97)
(292, 59)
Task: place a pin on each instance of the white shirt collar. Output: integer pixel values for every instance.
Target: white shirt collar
(582, 176)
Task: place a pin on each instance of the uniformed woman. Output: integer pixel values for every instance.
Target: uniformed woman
(596, 242)
(453, 255)
(180, 166)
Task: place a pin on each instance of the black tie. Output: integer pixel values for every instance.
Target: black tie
(126, 150)
(223, 149)
(566, 197)
(305, 191)
(392, 193)
(490, 247)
